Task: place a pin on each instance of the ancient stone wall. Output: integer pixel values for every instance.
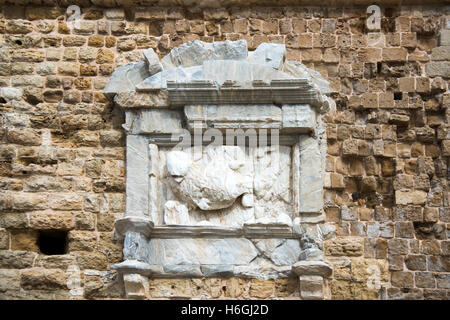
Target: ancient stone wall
(62, 149)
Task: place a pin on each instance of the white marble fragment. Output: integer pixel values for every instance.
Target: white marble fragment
(179, 74)
(125, 78)
(137, 188)
(178, 163)
(194, 53)
(299, 70)
(176, 213)
(153, 64)
(247, 200)
(234, 116)
(298, 118)
(311, 181)
(148, 121)
(270, 54)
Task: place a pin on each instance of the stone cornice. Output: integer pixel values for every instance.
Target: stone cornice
(216, 3)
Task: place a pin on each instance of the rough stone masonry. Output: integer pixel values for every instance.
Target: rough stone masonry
(62, 151)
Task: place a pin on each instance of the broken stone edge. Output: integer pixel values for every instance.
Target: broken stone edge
(304, 86)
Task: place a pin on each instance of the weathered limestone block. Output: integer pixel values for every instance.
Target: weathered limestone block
(438, 69)
(4, 239)
(11, 93)
(444, 38)
(24, 240)
(43, 220)
(440, 53)
(9, 280)
(45, 279)
(16, 259)
(410, 197)
(344, 247)
(311, 287)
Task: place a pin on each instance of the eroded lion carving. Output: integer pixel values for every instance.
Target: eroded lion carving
(215, 180)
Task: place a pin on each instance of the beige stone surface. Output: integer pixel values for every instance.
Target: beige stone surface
(62, 150)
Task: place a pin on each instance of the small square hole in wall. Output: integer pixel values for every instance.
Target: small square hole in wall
(52, 242)
(398, 95)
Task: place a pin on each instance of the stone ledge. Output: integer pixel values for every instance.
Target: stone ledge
(134, 224)
(312, 268)
(200, 271)
(252, 231)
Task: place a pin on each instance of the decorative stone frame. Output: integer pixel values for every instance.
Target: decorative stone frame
(193, 82)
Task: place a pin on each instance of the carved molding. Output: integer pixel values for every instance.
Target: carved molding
(205, 213)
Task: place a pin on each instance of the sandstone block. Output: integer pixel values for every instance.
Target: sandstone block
(84, 27)
(87, 54)
(43, 279)
(446, 148)
(344, 247)
(261, 289)
(18, 26)
(410, 197)
(440, 54)
(438, 69)
(416, 262)
(444, 38)
(43, 220)
(425, 280)
(74, 41)
(169, 288)
(82, 241)
(4, 239)
(29, 201)
(394, 54)
(65, 202)
(16, 259)
(28, 55)
(402, 279)
(91, 260)
(24, 241)
(9, 280)
(350, 147)
(115, 14)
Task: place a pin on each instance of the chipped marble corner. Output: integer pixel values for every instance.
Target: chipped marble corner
(136, 286)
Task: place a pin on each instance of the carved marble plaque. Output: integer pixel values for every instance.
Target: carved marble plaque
(200, 203)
